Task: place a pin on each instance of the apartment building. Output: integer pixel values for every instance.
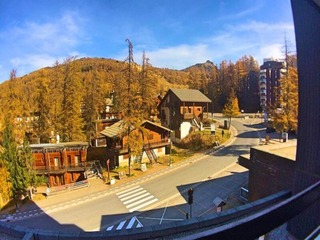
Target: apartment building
(270, 74)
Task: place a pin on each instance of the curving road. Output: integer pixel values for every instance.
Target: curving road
(160, 199)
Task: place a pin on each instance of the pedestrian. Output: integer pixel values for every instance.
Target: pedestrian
(222, 133)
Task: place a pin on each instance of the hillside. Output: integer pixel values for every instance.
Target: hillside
(55, 94)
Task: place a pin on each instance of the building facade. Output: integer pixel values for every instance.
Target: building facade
(270, 74)
(60, 163)
(182, 111)
(156, 140)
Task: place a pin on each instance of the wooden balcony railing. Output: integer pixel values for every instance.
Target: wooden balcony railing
(153, 144)
(70, 167)
(150, 144)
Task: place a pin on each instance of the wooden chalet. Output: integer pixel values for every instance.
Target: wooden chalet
(182, 111)
(61, 163)
(156, 139)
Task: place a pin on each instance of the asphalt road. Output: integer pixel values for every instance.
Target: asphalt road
(161, 199)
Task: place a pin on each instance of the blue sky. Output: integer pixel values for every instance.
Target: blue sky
(174, 34)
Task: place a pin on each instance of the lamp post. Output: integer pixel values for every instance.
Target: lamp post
(190, 200)
(108, 167)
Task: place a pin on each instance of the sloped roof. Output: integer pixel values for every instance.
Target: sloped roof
(118, 127)
(157, 125)
(114, 130)
(190, 95)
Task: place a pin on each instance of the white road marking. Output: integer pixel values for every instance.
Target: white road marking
(136, 198)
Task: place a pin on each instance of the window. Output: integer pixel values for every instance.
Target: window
(76, 160)
(56, 161)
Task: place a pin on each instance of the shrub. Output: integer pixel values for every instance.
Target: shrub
(199, 140)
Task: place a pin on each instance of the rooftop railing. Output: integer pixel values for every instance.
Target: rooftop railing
(249, 221)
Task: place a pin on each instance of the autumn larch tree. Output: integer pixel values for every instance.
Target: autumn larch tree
(132, 107)
(56, 79)
(43, 123)
(5, 184)
(285, 112)
(93, 102)
(71, 118)
(231, 108)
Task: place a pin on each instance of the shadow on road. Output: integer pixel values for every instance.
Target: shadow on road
(225, 187)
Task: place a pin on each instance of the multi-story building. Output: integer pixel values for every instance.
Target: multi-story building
(156, 143)
(60, 163)
(270, 74)
(182, 111)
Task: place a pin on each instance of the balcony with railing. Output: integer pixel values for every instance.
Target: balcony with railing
(60, 169)
(263, 80)
(151, 144)
(263, 91)
(155, 144)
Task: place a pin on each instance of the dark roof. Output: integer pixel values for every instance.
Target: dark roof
(190, 95)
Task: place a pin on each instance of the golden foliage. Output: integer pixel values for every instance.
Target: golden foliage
(285, 112)
(5, 186)
(48, 92)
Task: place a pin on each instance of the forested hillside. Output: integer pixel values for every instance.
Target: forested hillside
(68, 97)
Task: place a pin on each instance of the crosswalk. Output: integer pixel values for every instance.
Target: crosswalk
(126, 224)
(136, 198)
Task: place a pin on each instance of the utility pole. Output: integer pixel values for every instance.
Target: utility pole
(130, 60)
(190, 201)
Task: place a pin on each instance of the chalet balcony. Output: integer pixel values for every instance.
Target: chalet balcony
(156, 144)
(151, 144)
(61, 169)
(76, 167)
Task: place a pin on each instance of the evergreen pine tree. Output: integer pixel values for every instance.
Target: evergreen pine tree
(27, 162)
(12, 160)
